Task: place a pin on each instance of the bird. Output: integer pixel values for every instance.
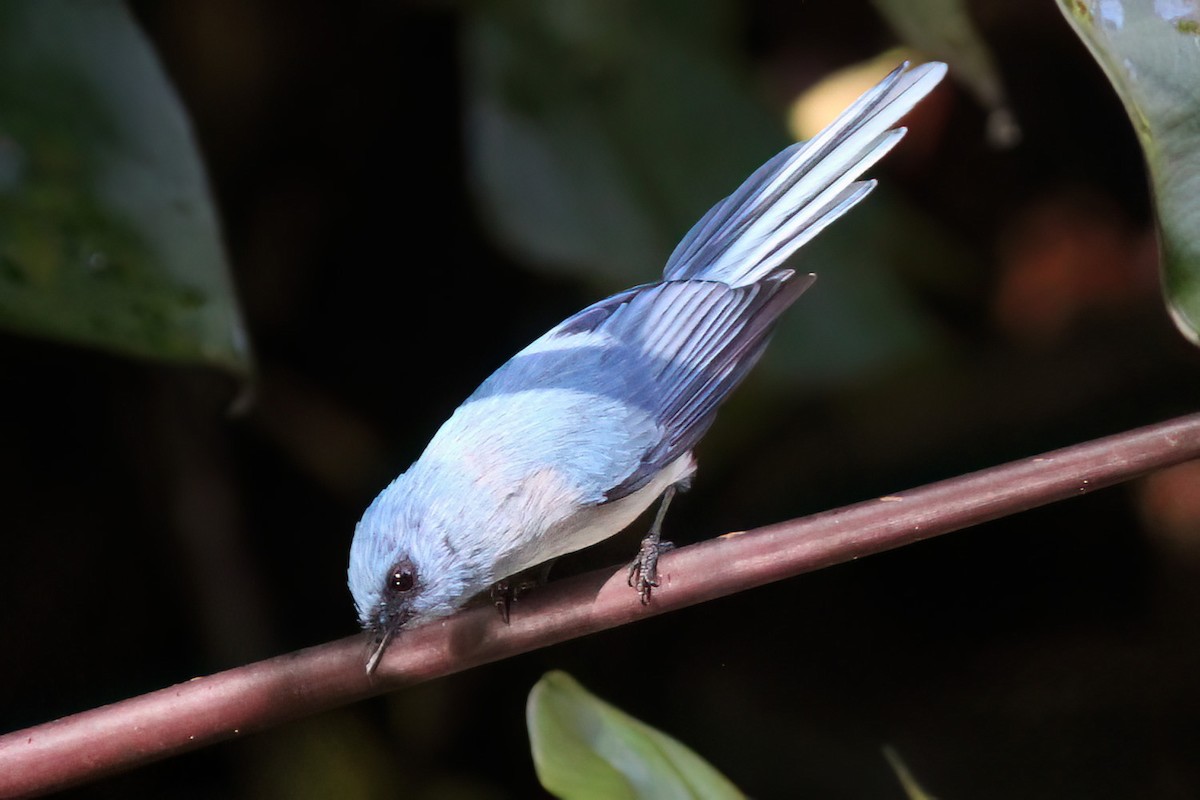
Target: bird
(573, 438)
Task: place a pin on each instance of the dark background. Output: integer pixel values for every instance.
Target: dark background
(151, 538)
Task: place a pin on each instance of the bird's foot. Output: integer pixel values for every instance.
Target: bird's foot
(509, 590)
(643, 572)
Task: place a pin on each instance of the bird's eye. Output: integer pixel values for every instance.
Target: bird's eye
(403, 577)
(403, 580)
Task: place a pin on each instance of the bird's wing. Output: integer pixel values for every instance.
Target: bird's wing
(672, 350)
(698, 340)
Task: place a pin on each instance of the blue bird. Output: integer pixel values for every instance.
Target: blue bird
(580, 432)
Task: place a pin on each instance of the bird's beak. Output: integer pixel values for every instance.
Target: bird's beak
(377, 653)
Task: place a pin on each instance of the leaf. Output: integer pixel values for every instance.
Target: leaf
(908, 783)
(591, 135)
(599, 131)
(1150, 52)
(107, 232)
(942, 29)
(585, 748)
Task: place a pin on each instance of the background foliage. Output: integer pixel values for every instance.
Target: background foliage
(374, 165)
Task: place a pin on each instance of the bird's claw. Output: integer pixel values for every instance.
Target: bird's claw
(503, 596)
(509, 590)
(643, 572)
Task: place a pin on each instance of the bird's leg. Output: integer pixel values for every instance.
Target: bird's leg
(507, 591)
(643, 572)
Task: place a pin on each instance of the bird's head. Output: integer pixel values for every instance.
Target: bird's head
(403, 569)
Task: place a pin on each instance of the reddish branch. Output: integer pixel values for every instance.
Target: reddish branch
(208, 709)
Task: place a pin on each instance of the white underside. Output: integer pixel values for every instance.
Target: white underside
(596, 523)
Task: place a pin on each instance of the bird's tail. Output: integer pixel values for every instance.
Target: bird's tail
(792, 197)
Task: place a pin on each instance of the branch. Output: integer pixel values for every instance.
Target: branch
(246, 699)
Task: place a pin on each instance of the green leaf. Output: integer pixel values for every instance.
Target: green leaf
(585, 748)
(943, 29)
(592, 128)
(107, 232)
(599, 131)
(1151, 54)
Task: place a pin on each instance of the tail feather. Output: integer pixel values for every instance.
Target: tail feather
(804, 188)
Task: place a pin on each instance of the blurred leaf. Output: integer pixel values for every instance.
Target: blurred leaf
(1151, 54)
(107, 232)
(335, 755)
(912, 789)
(585, 748)
(599, 131)
(942, 29)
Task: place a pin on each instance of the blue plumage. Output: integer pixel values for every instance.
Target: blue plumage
(569, 441)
